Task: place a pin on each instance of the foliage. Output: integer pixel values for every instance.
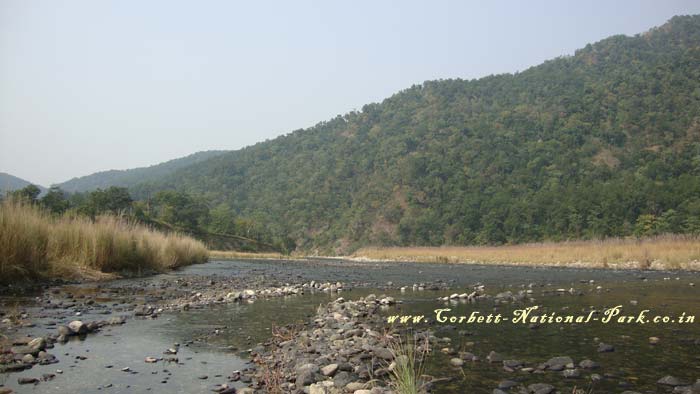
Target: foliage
(113, 200)
(131, 177)
(29, 193)
(55, 200)
(179, 209)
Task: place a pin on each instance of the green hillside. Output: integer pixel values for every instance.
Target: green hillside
(131, 177)
(602, 143)
(10, 182)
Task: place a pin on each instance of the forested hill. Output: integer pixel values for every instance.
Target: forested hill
(131, 177)
(605, 142)
(10, 182)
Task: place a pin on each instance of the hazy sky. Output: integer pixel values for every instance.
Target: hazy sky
(95, 85)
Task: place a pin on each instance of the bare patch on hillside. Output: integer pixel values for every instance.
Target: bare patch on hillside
(607, 158)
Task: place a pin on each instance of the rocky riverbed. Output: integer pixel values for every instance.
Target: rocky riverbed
(227, 326)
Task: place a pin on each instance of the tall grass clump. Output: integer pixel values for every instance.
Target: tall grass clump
(24, 237)
(36, 244)
(408, 365)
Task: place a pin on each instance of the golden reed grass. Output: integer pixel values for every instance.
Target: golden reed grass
(230, 255)
(35, 244)
(661, 252)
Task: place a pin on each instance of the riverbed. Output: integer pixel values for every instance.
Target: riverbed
(214, 340)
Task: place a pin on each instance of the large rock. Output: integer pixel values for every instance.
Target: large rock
(540, 388)
(342, 378)
(116, 320)
(507, 384)
(383, 353)
(669, 380)
(144, 310)
(64, 331)
(37, 343)
(22, 350)
(77, 327)
(512, 364)
(307, 374)
(588, 364)
(27, 380)
(329, 370)
(559, 363)
(456, 362)
(325, 387)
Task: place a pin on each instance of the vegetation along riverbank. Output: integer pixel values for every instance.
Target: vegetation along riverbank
(660, 252)
(35, 243)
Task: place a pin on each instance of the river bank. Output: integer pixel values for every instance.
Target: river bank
(667, 252)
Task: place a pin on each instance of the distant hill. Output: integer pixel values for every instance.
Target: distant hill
(10, 182)
(602, 143)
(128, 178)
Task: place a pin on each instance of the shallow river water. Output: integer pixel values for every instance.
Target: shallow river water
(635, 364)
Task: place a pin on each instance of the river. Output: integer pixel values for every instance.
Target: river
(215, 340)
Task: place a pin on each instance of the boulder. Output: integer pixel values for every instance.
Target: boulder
(77, 327)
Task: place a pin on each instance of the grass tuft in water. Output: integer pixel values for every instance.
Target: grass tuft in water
(408, 365)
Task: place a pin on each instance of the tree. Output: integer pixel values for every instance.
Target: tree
(113, 200)
(29, 193)
(180, 209)
(223, 220)
(646, 225)
(55, 200)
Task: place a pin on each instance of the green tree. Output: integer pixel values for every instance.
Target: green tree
(646, 225)
(223, 220)
(180, 209)
(28, 193)
(113, 200)
(55, 200)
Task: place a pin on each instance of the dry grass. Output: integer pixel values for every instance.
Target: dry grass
(231, 255)
(662, 252)
(35, 244)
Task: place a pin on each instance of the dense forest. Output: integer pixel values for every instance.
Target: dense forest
(131, 177)
(602, 143)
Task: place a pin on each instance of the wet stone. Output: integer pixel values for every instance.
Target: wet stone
(494, 357)
(669, 380)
